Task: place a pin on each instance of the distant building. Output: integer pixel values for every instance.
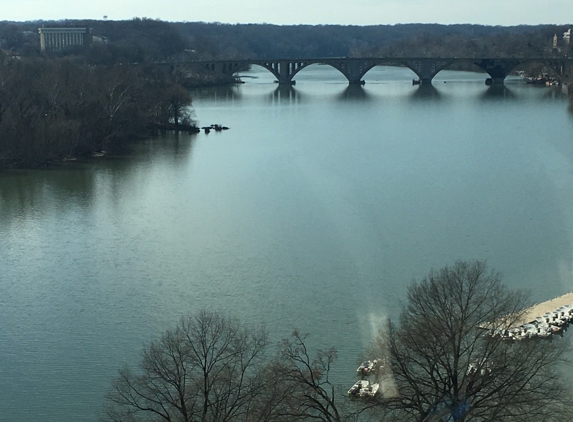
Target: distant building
(60, 39)
(99, 39)
(567, 36)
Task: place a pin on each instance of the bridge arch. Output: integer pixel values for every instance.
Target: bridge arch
(425, 69)
(284, 70)
(497, 68)
(352, 69)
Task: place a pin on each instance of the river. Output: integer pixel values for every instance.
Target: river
(314, 211)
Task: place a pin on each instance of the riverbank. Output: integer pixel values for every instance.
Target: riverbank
(119, 149)
(74, 110)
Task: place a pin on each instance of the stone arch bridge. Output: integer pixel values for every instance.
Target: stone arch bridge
(354, 69)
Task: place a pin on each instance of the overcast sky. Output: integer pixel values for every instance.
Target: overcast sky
(345, 12)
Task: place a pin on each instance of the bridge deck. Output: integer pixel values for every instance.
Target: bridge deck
(354, 68)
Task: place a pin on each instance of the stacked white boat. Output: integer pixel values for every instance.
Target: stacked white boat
(364, 388)
(542, 327)
(370, 367)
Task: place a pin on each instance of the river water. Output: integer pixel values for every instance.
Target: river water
(314, 211)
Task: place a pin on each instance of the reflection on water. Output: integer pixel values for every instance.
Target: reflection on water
(77, 184)
(24, 194)
(218, 93)
(554, 92)
(497, 92)
(285, 94)
(354, 92)
(426, 92)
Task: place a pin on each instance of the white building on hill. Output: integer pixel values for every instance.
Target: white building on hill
(60, 39)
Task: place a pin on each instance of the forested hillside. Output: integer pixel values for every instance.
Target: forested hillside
(140, 40)
(268, 41)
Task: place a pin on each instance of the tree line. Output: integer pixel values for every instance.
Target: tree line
(270, 41)
(139, 40)
(52, 109)
(143, 40)
(440, 364)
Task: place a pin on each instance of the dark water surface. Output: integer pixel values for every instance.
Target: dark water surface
(315, 210)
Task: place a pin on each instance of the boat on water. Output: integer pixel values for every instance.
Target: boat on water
(365, 368)
(543, 80)
(370, 391)
(364, 389)
(370, 367)
(358, 387)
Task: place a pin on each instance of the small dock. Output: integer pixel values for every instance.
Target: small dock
(539, 321)
(548, 306)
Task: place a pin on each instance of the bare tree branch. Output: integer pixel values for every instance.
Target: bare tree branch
(444, 364)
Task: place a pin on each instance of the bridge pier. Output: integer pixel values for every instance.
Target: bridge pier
(354, 69)
(284, 70)
(498, 69)
(425, 69)
(285, 81)
(495, 81)
(285, 74)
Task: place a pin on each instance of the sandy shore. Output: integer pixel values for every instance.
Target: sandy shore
(543, 307)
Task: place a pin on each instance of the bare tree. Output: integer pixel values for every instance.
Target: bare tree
(208, 368)
(116, 89)
(445, 366)
(311, 394)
